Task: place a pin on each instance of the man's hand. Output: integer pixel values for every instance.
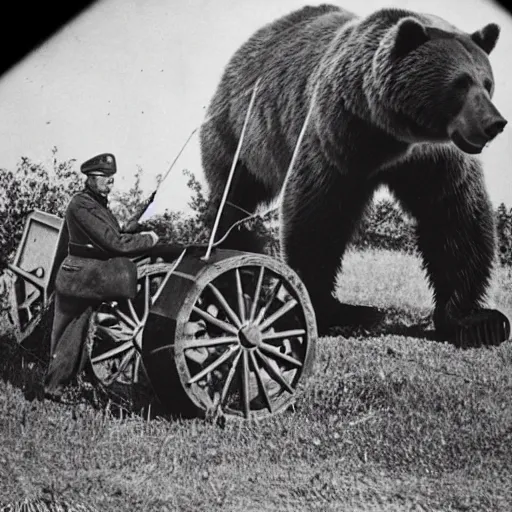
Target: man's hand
(153, 235)
(131, 226)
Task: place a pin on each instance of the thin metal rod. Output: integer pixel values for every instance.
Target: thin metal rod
(167, 276)
(231, 173)
(301, 136)
(288, 173)
(177, 156)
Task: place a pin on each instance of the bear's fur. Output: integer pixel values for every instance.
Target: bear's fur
(399, 99)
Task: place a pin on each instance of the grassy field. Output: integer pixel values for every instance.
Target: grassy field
(390, 421)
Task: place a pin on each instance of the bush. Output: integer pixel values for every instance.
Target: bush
(31, 186)
(386, 226)
(504, 228)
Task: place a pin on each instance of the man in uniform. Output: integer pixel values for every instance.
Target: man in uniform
(94, 234)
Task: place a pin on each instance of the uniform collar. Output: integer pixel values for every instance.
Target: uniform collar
(100, 199)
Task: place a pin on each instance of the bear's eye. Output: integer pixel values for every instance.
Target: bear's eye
(488, 85)
(463, 82)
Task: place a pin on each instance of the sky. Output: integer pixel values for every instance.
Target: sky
(134, 78)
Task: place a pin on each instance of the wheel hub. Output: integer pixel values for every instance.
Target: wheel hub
(250, 336)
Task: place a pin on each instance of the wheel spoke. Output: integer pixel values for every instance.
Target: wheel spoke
(292, 333)
(278, 314)
(227, 308)
(274, 373)
(257, 293)
(240, 295)
(260, 381)
(124, 318)
(136, 368)
(245, 384)
(122, 366)
(215, 321)
(132, 310)
(270, 349)
(224, 357)
(113, 352)
(207, 342)
(269, 301)
(118, 334)
(229, 378)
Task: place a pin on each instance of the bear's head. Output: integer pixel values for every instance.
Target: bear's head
(433, 83)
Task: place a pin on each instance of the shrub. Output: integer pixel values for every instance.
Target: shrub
(386, 226)
(32, 186)
(504, 228)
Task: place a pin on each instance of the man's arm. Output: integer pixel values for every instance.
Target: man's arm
(94, 223)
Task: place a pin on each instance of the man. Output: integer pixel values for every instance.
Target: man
(95, 236)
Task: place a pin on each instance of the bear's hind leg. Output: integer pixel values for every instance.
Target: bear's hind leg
(455, 230)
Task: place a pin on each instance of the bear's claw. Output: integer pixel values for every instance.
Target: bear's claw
(484, 328)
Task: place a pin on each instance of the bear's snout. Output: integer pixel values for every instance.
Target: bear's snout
(495, 127)
(477, 123)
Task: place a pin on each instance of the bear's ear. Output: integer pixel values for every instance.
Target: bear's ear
(487, 37)
(410, 34)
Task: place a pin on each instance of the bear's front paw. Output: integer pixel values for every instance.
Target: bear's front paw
(485, 327)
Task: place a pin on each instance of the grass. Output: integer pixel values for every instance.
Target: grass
(387, 423)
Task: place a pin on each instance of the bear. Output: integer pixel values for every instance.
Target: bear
(397, 99)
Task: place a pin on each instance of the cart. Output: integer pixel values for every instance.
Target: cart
(233, 334)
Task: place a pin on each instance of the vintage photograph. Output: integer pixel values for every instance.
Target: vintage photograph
(256, 256)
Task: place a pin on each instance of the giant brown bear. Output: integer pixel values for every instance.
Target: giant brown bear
(399, 98)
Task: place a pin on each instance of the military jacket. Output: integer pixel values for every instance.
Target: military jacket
(95, 232)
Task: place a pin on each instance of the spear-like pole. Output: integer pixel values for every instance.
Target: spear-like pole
(143, 208)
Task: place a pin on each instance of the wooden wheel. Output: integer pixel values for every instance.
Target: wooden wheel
(115, 339)
(241, 336)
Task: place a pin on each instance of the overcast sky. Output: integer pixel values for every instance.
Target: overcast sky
(134, 78)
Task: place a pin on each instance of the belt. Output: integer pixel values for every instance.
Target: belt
(87, 251)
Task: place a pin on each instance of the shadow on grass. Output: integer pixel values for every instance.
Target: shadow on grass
(394, 323)
(24, 367)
